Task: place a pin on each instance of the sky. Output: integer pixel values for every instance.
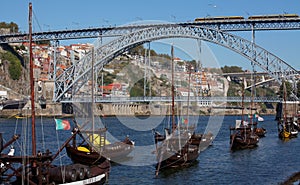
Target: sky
(75, 14)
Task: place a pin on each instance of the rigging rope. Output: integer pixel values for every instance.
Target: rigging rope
(43, 135)
(36, 20)
(60, 157)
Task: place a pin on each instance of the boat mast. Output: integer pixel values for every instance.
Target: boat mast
(252, 99)
(243, 97)
(173, 89)
(33, 140)
(93, 85)
(284, 104)
(189, 94)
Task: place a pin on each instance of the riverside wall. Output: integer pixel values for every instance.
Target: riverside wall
(127, 109)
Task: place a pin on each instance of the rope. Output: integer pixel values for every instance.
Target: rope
(36, 20)
(16, 126)
(43, 134)
(60, 161)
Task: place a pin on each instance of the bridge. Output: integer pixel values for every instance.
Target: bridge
(205, 100)
(129, 36)
(115, 31)
(79, 74)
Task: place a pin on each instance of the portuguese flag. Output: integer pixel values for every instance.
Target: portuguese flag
(62, 124)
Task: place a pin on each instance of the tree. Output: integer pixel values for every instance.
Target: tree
(289, 89)
(15, 67)
(298, 89)
(231, 69)
(137, 89)
(13, 27)
(263, 108)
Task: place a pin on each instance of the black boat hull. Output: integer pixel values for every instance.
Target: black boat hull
(12, 104)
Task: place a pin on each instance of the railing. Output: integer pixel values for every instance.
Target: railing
(205, 99)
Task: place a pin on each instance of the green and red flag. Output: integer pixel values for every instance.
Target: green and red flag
(62, 124)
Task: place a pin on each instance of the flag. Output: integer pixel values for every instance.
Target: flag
(62, 124)
(245, 83)
(184, 120)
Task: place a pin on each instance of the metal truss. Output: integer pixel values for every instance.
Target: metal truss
(78, 75)
(239, 25)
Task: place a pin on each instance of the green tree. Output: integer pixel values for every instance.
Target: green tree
(15, 67)
(231, 69)
(137, 89)
(289, 89)
(298, 89)
(13, 27)
(263, 108)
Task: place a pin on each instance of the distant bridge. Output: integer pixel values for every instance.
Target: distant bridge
(204, 99)
(249, 74)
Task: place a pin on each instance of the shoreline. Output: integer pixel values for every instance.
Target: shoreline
(121, 115)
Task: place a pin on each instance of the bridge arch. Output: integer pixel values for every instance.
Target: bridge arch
(78, 74)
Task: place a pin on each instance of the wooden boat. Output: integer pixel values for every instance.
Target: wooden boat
(255, 118)
(37, 168)
(179, 146)
(243, 135)
(242, 138)
(44, 172)
(286, 127)
(12, 103)
(94, 146)
(85, 153)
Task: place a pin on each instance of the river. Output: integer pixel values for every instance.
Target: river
(272, 162)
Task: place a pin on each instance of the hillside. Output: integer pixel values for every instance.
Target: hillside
(18, 85)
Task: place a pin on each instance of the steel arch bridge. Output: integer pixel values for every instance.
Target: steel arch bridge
(78, 74)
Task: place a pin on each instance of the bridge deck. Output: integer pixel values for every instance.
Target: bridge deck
(169, 99)
(112, 31)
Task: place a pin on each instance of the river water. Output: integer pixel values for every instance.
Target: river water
(272, 162)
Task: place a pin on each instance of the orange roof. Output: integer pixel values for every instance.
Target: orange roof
(112, 86)
(62, 66)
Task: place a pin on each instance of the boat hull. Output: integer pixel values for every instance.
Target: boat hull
(114, 152)
(177, 151)
(80, 174)
(74, 174)
(86, 158)
(182, 158)
(12, 104)
(240, 141)
(202, 140)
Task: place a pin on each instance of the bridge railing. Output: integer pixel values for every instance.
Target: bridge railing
(204, 99)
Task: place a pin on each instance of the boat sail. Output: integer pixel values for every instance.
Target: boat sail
(178, 146)
(38, 167)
